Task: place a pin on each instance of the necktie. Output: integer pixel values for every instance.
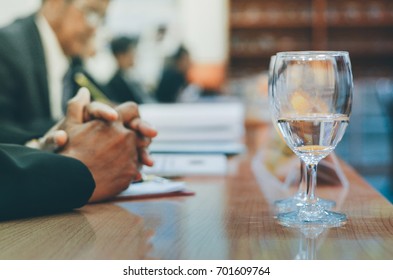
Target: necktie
(67, 89)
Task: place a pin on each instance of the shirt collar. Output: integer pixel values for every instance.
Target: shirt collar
(57, 65)
(56, 60)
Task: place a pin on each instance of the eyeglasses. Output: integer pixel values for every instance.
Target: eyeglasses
(92, 17)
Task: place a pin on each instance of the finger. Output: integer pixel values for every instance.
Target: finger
(138, 177)
(143, 128)
(61, 138)
(53, 141)
(101, 111)
(75, 107)
(143, 142)
(127, 112)
(145, 158)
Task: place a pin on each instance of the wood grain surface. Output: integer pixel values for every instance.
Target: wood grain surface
(229, 217)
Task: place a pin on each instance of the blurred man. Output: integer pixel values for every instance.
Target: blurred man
(107, 147)
(121, 88)
(174, 77)
(35, 54)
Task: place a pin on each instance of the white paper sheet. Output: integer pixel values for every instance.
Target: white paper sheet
(152, 188)
(174, 165)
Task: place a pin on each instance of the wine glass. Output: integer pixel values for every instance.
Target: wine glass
(311, 101)
(292, 203)
(308, 241)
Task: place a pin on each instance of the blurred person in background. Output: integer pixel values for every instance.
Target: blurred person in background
(150, 55)
(155, 44)
(174, 77)
(122, 87)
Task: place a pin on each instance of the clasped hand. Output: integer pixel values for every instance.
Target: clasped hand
(111, 142)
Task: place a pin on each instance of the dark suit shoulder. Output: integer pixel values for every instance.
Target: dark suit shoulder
(16, 37)
(24, 94)
(21, 49)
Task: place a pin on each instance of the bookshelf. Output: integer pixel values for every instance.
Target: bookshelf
(260, 28)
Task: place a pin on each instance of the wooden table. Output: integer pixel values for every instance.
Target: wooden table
(229, 217)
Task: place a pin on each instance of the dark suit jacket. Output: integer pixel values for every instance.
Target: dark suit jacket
(119, 90)
(36, 183)
(10, 134)
(32, 182)
(24, 94)
(171, 84)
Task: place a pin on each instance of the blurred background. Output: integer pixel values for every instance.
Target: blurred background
(230, 43)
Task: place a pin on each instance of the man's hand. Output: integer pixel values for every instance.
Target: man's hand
(127, 112)
(108, 149)
(50, 142)
(56, 137)
(129, 115)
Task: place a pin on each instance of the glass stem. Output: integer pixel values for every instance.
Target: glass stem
(311, 183)
(311, 250)
(302, 191)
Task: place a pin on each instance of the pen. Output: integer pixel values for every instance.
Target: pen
(151, 178)
(83, 81)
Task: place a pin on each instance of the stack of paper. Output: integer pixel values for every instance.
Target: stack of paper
(152, 189)
(174, 165)
(196, 128)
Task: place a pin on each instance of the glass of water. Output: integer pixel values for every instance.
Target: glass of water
(311, 100)
(300, 197)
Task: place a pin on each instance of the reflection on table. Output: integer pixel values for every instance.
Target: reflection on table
(229, 217)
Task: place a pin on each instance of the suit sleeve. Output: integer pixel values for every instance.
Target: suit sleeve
(10, 134)
(35, 183)
(9, 85)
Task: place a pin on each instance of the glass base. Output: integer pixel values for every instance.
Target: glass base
(294, 203)
(312, 215)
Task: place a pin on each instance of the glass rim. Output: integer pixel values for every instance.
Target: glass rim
(312, 53)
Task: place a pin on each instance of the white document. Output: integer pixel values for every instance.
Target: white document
(213, 147)
(151, 188)
(174, 165)
(196, 128)
(196, 122)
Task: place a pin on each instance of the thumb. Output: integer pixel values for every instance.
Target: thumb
(76, 105)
